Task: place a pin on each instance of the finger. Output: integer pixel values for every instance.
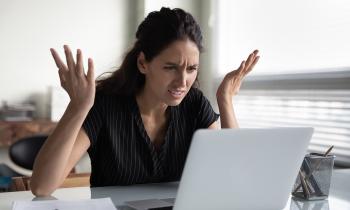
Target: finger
(237, 72)
(253, 64)
(242, 67)
(252, 59)
(58, 61)
(62, 78)
(90, 72)
(79, 66)
(70, 60)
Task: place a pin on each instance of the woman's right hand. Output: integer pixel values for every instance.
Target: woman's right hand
(79, 86)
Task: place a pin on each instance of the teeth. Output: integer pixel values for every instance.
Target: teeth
(176, 92)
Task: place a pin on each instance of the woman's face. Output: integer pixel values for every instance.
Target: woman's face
(170, 75)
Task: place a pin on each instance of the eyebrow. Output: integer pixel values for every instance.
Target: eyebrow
(175, 64)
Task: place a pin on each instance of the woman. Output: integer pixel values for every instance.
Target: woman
(136, 124)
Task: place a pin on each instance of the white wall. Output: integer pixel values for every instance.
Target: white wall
(29, 28)
(192, 6)
(102, 29)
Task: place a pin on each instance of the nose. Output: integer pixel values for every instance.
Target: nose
(181, 78)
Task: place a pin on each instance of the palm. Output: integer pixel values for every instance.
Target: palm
(79, 86)
(232, 81)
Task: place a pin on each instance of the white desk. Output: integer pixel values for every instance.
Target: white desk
(339, 198)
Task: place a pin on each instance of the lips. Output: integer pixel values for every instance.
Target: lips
(176, 92)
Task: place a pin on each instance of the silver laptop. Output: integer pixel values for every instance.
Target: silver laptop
(240, 169)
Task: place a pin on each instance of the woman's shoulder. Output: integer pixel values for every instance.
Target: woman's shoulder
(110, 96)
(112, 100)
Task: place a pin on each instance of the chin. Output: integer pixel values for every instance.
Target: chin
(174, 102)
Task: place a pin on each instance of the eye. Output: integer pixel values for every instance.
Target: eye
(170, 67)
(192, 68)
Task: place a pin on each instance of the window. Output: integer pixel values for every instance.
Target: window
(303, 78)
(293, 36)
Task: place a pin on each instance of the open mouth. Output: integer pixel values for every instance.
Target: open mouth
(176, 93)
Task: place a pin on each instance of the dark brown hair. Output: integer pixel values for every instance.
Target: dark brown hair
(157, 31)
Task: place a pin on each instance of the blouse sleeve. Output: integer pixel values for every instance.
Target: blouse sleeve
(93, 121)
(205, 115)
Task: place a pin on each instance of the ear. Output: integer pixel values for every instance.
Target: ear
(142, 63)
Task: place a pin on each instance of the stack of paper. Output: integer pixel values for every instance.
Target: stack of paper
(91, 204)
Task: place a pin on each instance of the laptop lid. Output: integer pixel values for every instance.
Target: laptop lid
(242, 168)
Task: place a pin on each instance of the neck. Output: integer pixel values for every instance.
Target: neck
(148, 106)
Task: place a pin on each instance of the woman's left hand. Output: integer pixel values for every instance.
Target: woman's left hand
(233, 80)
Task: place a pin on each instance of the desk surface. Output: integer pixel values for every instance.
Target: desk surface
(339, 197)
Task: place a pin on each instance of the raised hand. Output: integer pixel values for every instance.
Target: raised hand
(79, 86)
(233, 80)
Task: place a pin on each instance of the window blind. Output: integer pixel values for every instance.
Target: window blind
(327, 110)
